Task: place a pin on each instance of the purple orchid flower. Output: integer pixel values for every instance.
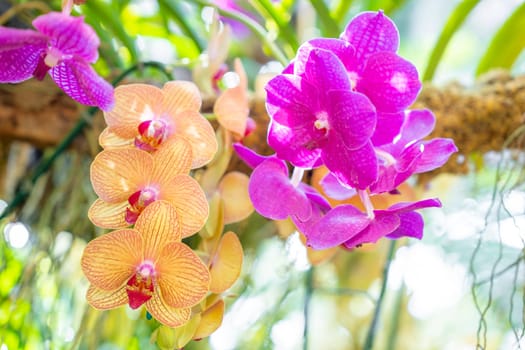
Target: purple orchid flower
(408, 154)
(273, 193)
(316, 118)
(62, 45)
(348, 226)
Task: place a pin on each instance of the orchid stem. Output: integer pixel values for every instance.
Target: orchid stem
(297, 176)
(307, 298)
(365, 199)
(370, 337)
(254, 27)
(45, 164)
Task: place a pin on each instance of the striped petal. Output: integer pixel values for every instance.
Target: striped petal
(165, 314)
(105, 300)
(134, 103)
(110, 260)
(158, 226)
(182, 277)
(189, 200)
(180, 96)
(108, 215)
(172, 159)
(116, 174)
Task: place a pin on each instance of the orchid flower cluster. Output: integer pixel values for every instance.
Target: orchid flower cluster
(344, 104)
(154, 139)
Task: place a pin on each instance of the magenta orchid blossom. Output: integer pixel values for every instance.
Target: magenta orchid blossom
(343, 103)
(62, 45)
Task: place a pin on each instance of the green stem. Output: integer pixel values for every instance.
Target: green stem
(340, 10)
(306, 311)
(370, 337)
(331, 28)
(285, 29)
(454, 21)
(396, 317)
(174, 8)
(254, 27)
(45, 164)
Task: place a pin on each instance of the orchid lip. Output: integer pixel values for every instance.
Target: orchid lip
(152, 133)
(139, 201)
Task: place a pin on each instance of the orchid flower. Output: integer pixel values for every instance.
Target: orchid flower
(145, 117)
(129, 180)
(316, 118)
(147, 265)
(349, 226)
(62, 45)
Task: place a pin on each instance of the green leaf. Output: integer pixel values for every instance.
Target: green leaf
(454, 21)
(506, 45)
(328, 24)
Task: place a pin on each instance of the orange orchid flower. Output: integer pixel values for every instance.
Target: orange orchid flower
(147, 265)
(145, 117)
(128, 180)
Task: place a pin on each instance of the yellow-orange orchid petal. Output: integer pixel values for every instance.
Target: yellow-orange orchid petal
(108, 139)
(165, 314)
(158, 225)
(182, 276)
(116, 174)
(110, 260)
(108, 215)
(181, 96)
(199, 133)
(234, 193)
(171, 159)
(188, 198)
(232, 107)
(106, 299)
(226, 264)
(134, 103)
(211, 319)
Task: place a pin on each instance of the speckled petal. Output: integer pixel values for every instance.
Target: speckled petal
(20, 50)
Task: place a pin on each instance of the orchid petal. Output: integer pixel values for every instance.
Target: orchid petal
(171, 159)
(180, 96)
(336, 227)
(341, 48)
(272, 194)
(351, 119)
(383, 224)
(232, 107)
(104, 300)
(189, 200)
(158, 226)
(234, 192)
(322, 68)
(335, 189)
(298, 146)
(371, 32)
(355, 168)
(108, 139)
(200, 135)
(411, 226)
(80, 82)
(226, 263)
(391, 82)
(116, 174)
(182, 277)
(69, 34)
(387, 128)
(134, 103)
(165, 314)
(211, 319)
(108, 215)
(435, 153)
(404, 207)
(248, 156)
(20, 51)
(110, 260)
(291, 100)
